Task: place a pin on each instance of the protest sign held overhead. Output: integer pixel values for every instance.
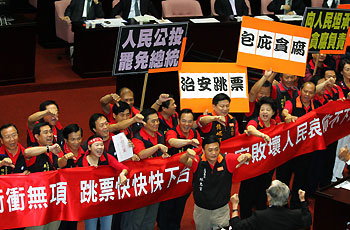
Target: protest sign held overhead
(200, 82)
(150, 48)
(329, 29)
(265, 45)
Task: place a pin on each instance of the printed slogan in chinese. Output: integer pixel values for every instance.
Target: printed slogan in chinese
(144, 47)
(329, 28)
(265, 45)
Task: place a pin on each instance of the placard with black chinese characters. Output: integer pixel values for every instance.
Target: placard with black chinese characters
(329, 29)
(199, 82)
(150, 48)
(266, 44)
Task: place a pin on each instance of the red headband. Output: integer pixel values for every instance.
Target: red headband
(93, 140)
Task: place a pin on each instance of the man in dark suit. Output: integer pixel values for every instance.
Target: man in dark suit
(276, 216)
(132, 8)
(231, 7)
(289, 7)
(334, 3)
(80, 10)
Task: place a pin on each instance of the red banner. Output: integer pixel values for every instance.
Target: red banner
(83, 193)
(313, 131)
(89, 192)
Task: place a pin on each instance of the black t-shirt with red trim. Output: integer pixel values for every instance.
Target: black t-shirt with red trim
(43, 162)
(167, 124)
(18, 161)
(72, 163)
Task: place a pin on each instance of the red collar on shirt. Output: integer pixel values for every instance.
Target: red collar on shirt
(168, 121)
(4, 151)
(262, 124)
(190, 135)
(146, 135)
(80, 151)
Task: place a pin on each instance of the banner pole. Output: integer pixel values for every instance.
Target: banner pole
(144, 91)
(316, 64)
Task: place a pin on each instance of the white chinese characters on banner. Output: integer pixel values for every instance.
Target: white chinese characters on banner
(207, 85)
(276, 45)
(260, 150)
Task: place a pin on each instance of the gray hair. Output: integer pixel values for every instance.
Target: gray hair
(278, 193)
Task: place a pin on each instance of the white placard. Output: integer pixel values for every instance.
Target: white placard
(121, 144)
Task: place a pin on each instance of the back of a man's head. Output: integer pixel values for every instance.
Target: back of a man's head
(278, 193)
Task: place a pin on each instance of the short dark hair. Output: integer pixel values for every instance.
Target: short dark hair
(220, 97)
(5, 126)
(92, 121)
(43, 105)
(121, 108)
(210, 139)
(71, 128)
(146, 112)
(186, 111)
(327, 68)
(166, 103)
(269, 101)
(316, 78)
(37, 127)
(308, 83)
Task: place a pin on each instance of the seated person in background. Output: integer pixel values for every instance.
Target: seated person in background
(231, 7)
(288, 7)
(80, 10)
(133, 8)
(333, 3)
(276, 216)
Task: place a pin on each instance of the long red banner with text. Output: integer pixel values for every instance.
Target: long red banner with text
(83, 193)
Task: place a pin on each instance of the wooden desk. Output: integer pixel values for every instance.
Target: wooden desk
(17, 56)
(332, 208)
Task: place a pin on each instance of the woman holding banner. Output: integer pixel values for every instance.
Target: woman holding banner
(96, 156)
(252, 192)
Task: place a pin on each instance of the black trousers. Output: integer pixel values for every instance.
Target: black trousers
(252, 194)
(68, 225)
(300, 167)
(170, 213)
